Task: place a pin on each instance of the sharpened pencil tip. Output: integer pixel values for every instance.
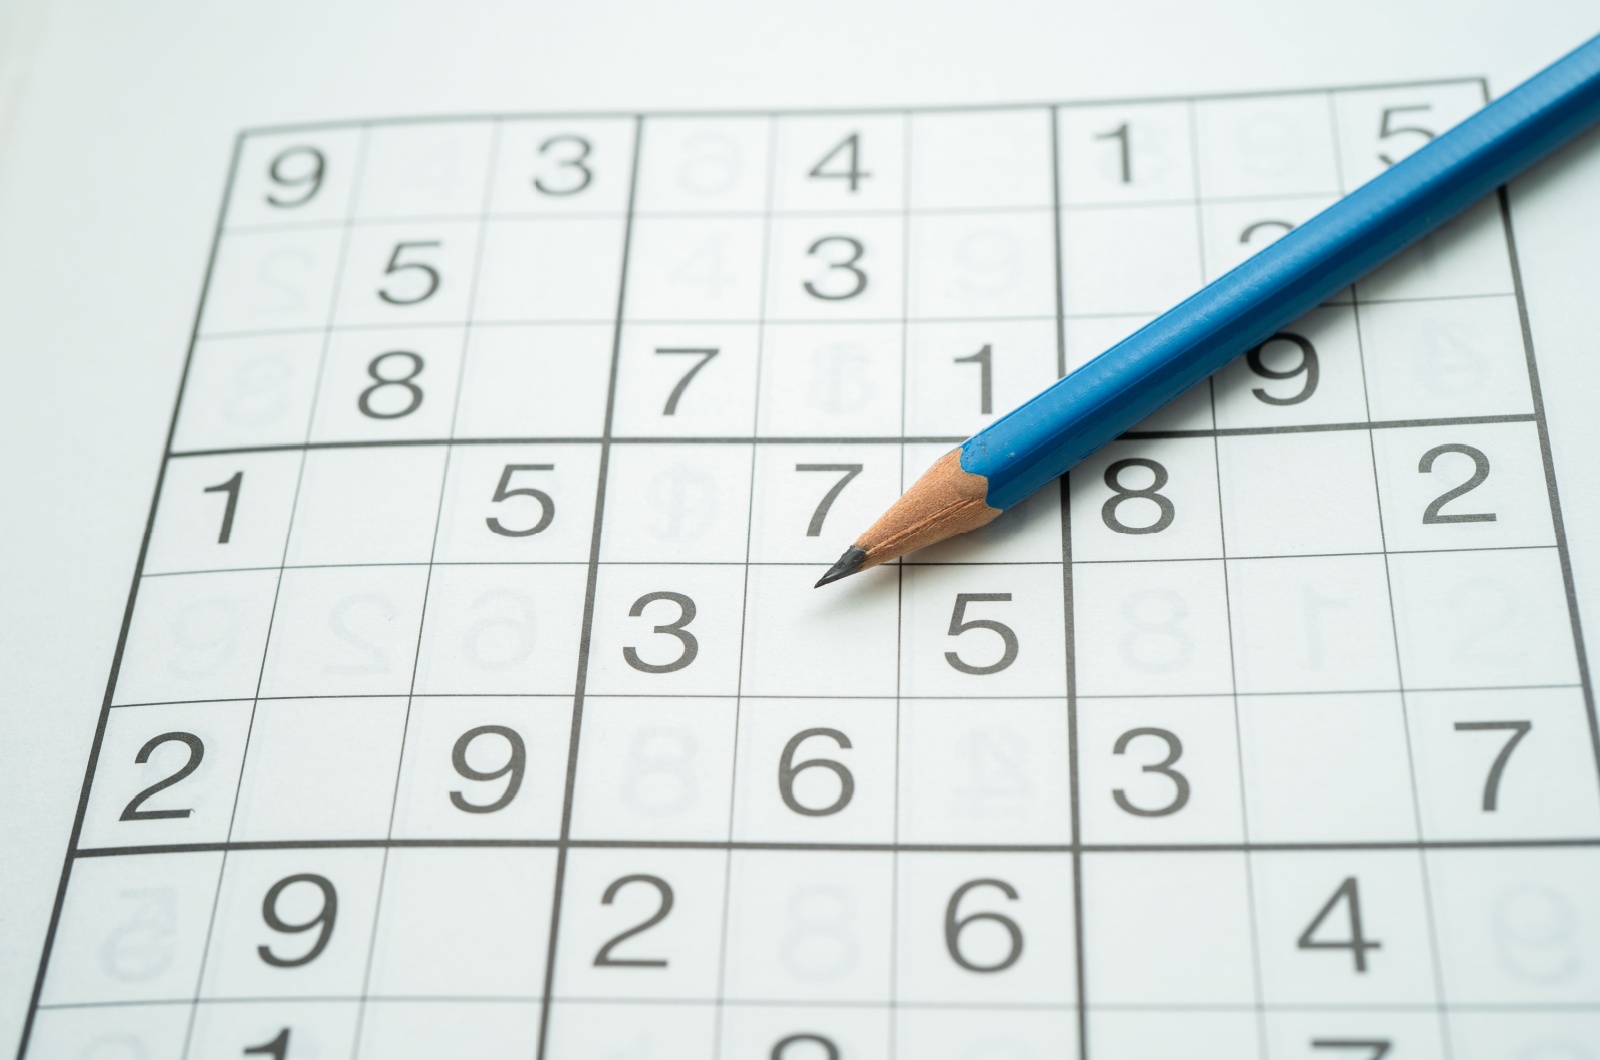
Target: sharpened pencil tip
(848, 564)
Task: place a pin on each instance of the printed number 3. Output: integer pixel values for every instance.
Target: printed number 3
(691, 645)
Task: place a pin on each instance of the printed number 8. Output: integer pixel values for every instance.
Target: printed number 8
(1120, 493)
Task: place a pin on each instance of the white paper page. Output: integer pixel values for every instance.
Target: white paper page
(473, 698)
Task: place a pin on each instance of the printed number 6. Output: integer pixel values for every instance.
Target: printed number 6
(959, 624)
(691, 646)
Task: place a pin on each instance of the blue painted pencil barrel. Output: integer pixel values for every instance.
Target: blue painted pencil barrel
(1039, 440)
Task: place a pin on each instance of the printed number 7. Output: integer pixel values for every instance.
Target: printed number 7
(814, 528)
(671, 408)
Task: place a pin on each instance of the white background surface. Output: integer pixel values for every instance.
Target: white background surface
(116, 124)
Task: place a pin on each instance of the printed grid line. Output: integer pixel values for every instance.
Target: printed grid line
(1077, 848)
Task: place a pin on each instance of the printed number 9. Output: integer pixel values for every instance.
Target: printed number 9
(323, 920)
(310, 178)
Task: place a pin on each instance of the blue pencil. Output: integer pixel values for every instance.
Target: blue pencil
(1017, 454)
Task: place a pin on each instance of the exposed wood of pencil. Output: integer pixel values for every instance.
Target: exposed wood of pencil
(944, 502)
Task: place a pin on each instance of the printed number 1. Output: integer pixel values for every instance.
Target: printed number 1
(278, 1048)
(231, 488)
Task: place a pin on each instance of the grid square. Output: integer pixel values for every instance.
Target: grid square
(1131, 152)
(387, 384)
(1232, 231)
(983, 771)
(547, 381)
(133, 928)
(653, 769)
(1475, 619)
(1454, 357)
(687, 380)
(838, 267)
(1483, 1035)
(1463, 257)
(949, 1033)
(1150, 499)
(991, 158)
(407, 273)
(813, 158)
(848, 647)
(679, 504)
(563, 166)
(985, 265)
(955, 388)
(853, 1030)
(197, 637)
(1370, 141)
(1314, 624)
(204, 523)
(250, 390)
(419, 1030)
(501, 630)
(425, 169)
(272, 280)
(375, 505)
(809, 926)
(320, 769)
(1266, 145)
(518, 742)
(85, 1031)
(1088, 337)
(1307, 493)
(695, 268)
(590, 1030)
(1145, 1032)
(1029, 533)
(1164, 631)
(1010, 634)
(345, 631)
(835, 764)
(1131, 260)
(196, 749)
(549, 270)
(1310, 372)
(809, 499)
(1418, 1033)
(1175, 779)
(666, 630)
(608, 893)
(320, 1028)
(462, 922)
(831, 381)
(474, 527)
(294, 178)
(700, 165)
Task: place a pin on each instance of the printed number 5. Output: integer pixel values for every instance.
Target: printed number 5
(959, 624)
(1386, 129)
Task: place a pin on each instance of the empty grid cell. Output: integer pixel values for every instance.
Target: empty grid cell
(292, 923)
(425, 169)
(811, 499)
(223, 512)
(1147, 499)
(960, 377)
(166, 774)
(345, 631)
(483, 767)
(563, 166)
(991, 158)
(407, 273)
(815, 771)
(1308, 373)
(272, 281)
(1478, 485)
(1266, 145)
(703, 165)
(1475, 619)
(1168, 929)
(317, 1028)
(1343, 927)
(1463, 257)
(666, 630)
(1232, 231)
(420, 1029)
(462, 922)
(376, 505)
(677, 504)
(1327, 768)
(294, 178)
(687, 380)
(836, 267)
(588, 1030)
(132, 928)
(985, 927)
(1089, 337)
(501, 630)
(1504, 764)
(1314, 624)
(1161, 629)
(1517, 927)
(1445, 358)
(197, 637)
(1159, 770)
(1131, 260)
(949, 1033)
(1125, 153)
(641, 924)
(809, 926)
(549, 269)
(1535, 1033)
(518, 504)
(984, 265)
(984, 771)
(320, 769)
(695, 268)
(831, 381)
(1143, 1032)
(839, 162)
(107, 1030)
(981, 630)
(548, 381)
(249, 390)
(1310, 493)
(799, 642)
(388, 384)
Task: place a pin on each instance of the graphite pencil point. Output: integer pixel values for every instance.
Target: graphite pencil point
(848, 564)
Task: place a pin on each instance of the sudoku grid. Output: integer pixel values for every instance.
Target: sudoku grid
(473, 698)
